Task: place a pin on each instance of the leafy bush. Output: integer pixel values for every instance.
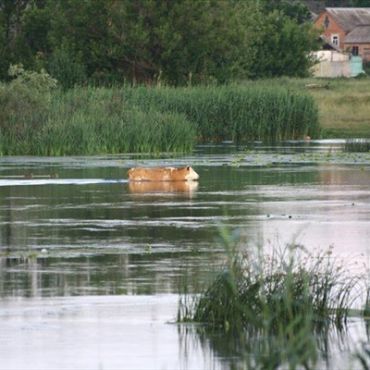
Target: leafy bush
(25, 102)
(67, 68)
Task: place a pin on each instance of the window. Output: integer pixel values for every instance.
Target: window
(355, 50)
(335, 40)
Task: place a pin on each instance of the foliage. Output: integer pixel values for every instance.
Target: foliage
(283, 288)
(273, 303)
(36, 119)
(25, 102)
(282, 47)
(253, 111)
(83, 121)
(66, 67)
(177, 42)
(40, 82)
(295, 9)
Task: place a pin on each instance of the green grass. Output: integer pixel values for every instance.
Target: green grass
(235, 112)
(38, 119)
(343, 104)
(91, 121)
(88, 120)
(277, 304)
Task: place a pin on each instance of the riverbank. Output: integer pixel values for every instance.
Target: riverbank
(343, 103)
(38, 119)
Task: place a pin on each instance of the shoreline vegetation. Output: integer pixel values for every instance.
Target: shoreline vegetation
(278, 304)
(39, 119)
(343, 104)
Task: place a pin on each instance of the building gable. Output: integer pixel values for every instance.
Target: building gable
(331, 29)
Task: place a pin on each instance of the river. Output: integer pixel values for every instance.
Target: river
(91, 266)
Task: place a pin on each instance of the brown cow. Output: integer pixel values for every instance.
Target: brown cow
(162, 174)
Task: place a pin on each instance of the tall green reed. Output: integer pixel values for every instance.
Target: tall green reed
(236, 112)
(93, 120)
(277, 304)
(87, 120)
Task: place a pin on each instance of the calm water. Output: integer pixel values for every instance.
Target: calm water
(91, 266)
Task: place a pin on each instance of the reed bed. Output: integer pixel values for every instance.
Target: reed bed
(92, 121)
(276, 304)
(239, 113)
(88, 120)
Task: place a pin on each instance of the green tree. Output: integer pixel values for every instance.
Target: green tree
(178, 41)
(67, 66)
(10, 30)
(283, 46)
(81, 26)
(294, 9)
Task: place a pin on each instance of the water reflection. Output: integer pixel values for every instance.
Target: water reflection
(142, 187)
(90, 233)
(92, 218)
(111, 274)
(332, 348)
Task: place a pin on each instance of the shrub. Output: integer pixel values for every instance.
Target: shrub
(25, 103)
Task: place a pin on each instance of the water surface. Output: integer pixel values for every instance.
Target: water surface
(85, 253)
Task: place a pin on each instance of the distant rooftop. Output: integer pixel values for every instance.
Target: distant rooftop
(361, 34)
(349, 18)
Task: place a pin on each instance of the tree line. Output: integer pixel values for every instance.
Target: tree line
(174, 42)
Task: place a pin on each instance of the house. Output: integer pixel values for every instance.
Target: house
(347, 29)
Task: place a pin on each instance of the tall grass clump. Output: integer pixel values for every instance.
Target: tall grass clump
(98, 120)
(276, 304)
(37, 119)
(236, 112)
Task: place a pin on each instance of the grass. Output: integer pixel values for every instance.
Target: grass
(343, 104)
(91, 121)
(239, 113)
(85, 120)
(281, 286)
(37, 119)
(277, 304)
(345, 108)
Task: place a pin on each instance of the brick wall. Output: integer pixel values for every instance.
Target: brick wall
(363, 50)
(332, 29)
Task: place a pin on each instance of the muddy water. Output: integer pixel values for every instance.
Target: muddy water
(90, 265)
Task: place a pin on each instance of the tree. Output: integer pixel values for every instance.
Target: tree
(10, 30)
(283, 46)
(294, 9)
(176, 42)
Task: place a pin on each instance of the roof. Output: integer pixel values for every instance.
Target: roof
(349, 18)
(361, 34)
(314, 16)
